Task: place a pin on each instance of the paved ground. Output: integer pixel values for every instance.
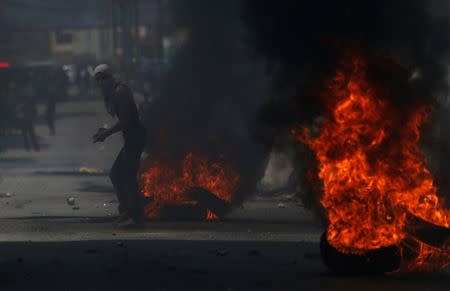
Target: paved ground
(37, 185)
(269, 243)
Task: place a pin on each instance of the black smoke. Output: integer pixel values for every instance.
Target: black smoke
(214, 100)
(211, 93)
(302, 41)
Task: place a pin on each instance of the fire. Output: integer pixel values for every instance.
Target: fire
(372, 169)
(168, 182)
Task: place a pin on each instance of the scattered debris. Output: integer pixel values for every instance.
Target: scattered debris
(71, 201)
(222, 252)
(88, 170)
(6, 195)
(287, 197)
(281, 205)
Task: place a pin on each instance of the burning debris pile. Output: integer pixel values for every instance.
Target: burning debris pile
(198, 128)
(207, 187)
(374, 174)
(346, 69)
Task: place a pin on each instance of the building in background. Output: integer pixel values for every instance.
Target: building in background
(82, 31)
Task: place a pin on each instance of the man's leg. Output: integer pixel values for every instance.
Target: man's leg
(50, 117)
(116, 177)
(133, 195)
(24, 130)
(32, 135)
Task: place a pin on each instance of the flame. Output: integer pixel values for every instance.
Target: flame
(167, 182)
(211, 216)
(372, 169)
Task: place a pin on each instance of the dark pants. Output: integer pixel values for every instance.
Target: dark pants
(124, 178)
(29, 136)
(50, 116)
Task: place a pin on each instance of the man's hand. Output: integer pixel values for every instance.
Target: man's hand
(101, 135)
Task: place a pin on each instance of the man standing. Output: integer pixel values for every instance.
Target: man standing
(26, 112)
(119, 103)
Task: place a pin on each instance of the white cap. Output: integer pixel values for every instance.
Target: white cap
(103, 68)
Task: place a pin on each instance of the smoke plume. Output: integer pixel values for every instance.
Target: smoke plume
(211, 92)
(302, 41)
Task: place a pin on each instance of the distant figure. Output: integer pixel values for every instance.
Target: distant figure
(7, 104)
(119, 103)
(50, 111)
(26, 113)
(50, 100)
(84, 81)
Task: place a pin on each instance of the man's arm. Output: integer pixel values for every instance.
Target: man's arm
(122, 96)
(104, 133)
(115, 129)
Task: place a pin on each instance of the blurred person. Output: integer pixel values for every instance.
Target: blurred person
(26, 113)
(4, 109)
(10, 104)
(52, 93)
(57, 90)
(46, 87)
(62, 82)
(84, 80)
(119, 103)
(91, 79)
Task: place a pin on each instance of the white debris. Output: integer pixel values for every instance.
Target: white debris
(88, 170)
(6, 195)
(287, 196)
(281, 205)
(71, 201)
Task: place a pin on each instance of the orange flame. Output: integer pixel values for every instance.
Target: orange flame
(372, 169)
(167, 182)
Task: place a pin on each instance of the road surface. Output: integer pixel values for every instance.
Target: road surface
(45, 243)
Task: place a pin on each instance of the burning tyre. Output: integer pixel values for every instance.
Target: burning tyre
(373, 174)
(195, 188)
(375, 262)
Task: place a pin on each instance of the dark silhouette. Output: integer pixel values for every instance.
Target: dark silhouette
(119, 103)
(25, 113)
